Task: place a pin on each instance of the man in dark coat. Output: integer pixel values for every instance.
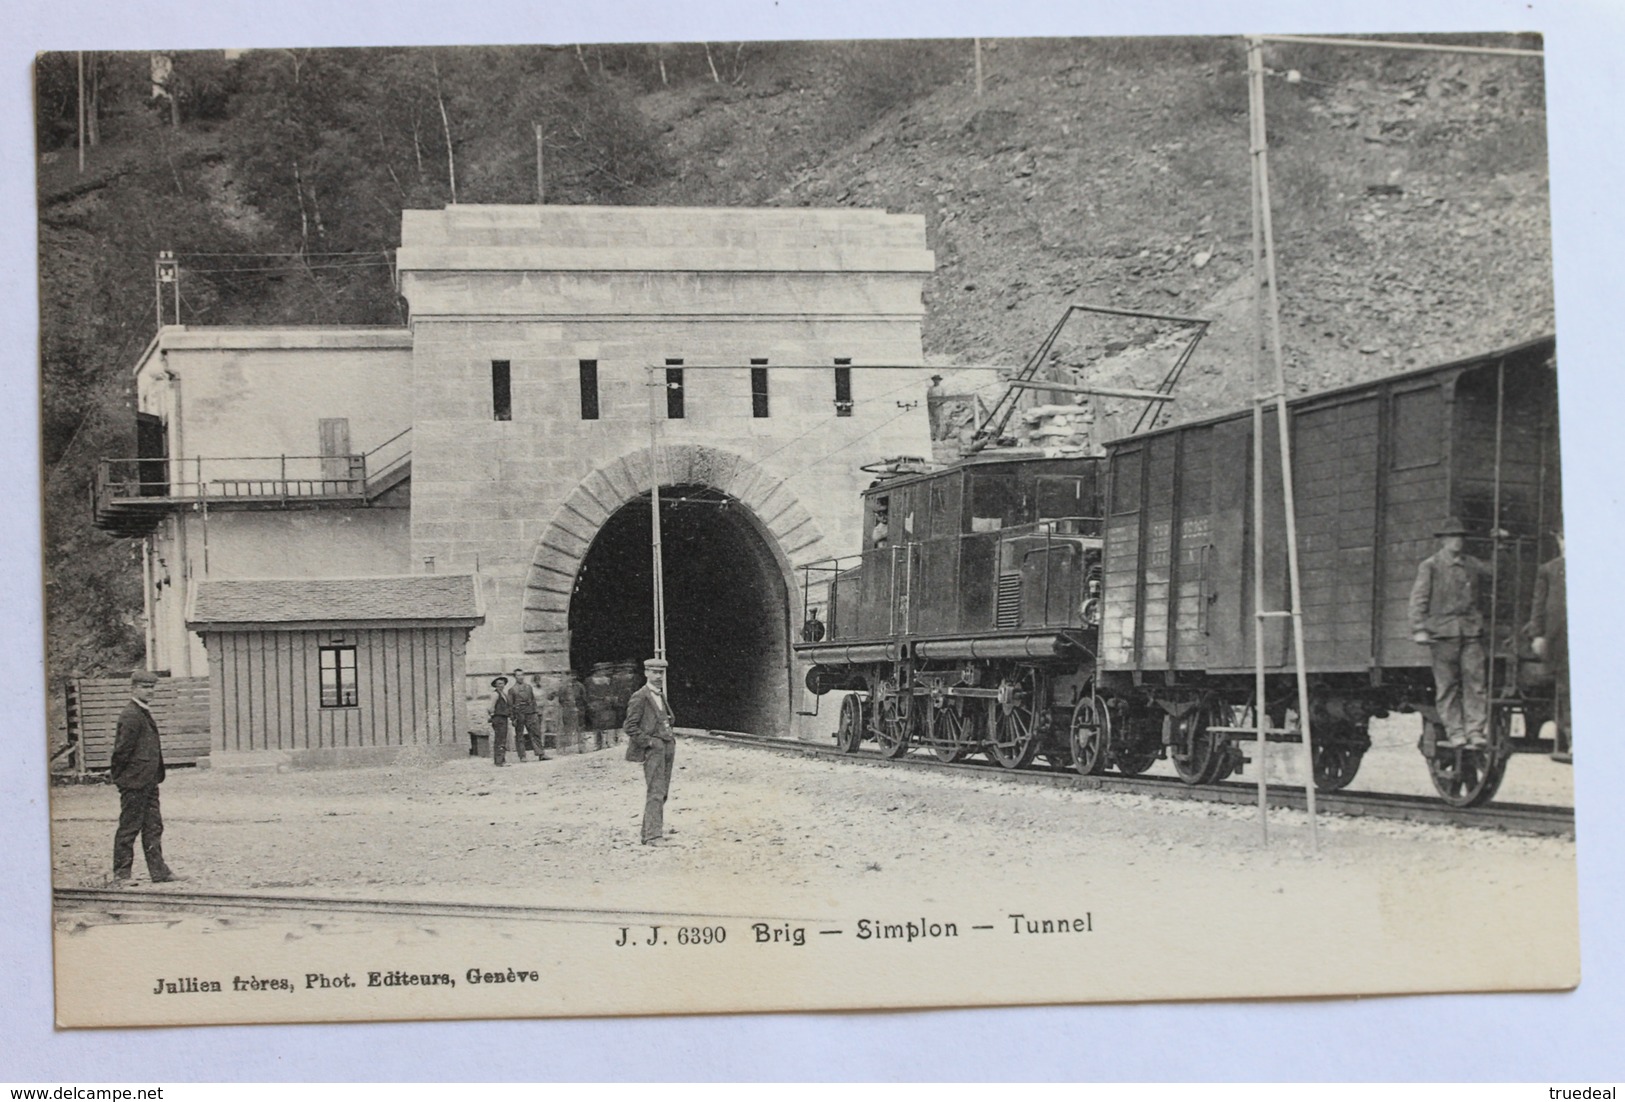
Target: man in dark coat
(138, 770)
(501, 709)
(1447, 614)
(1548, 627)
(649, 729)
(527, 727)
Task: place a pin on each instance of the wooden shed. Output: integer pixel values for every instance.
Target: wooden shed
(335, 663)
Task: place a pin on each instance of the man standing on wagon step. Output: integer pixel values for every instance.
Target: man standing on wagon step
(649, 728)
(138, 770)
(1447, 614)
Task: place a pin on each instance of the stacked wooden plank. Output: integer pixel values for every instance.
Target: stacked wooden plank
(179, 704)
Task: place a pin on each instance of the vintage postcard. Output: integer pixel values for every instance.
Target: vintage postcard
(593, 529)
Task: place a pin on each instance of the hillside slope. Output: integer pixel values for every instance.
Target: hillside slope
(1410, 204)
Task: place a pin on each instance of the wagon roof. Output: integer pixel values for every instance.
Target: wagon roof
(406, 597)
(1548, 341)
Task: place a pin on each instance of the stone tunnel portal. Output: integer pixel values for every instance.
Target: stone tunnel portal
(727, 608)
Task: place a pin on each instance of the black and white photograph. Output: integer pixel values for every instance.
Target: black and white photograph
(641, 528)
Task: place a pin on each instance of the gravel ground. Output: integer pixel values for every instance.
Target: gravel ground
(567, 829)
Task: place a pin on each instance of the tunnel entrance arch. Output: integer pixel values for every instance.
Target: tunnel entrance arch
(731, 533)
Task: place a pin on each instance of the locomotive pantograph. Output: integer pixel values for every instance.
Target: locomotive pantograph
(1097, 612)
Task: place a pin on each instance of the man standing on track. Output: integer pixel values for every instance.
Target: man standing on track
(527, 728)
(1447, 615)
(138, 770)
(649, 730)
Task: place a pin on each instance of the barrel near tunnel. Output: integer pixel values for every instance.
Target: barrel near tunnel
(727, 608)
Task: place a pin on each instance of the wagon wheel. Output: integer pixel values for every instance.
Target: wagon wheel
(950, 730)
(1014, 738)
(1467, 778)
(849, 735)
(1091, 735)
(1336, 759)
(895, 719)
(1208, 756)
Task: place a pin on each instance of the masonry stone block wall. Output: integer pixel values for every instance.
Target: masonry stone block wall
(542, 289)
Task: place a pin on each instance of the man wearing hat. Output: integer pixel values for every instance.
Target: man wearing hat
(1447, 615)
(649, 729)
(527, 727)
(499, 712)
(138, 770)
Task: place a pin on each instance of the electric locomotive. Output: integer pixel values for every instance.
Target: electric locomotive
(1099, 612)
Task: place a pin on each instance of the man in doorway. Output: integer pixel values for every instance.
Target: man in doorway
(138, 770)
(499, 712)
(649, 728)
(1447, 615)
(1548, 629)
(527, 727)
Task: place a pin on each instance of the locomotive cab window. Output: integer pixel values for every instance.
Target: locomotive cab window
(1060, 497)
(879, 529)
(1419, 427)
(995, 500)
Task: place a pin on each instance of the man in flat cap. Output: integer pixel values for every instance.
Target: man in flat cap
(138, 770)
(527, 726)
(649, 730)
(1447, 615)
(498, 713)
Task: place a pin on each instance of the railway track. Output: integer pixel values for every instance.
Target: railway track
(121, 900)
(1511, 818)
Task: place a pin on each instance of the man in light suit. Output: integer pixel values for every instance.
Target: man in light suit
(649, 732)
(138, 770)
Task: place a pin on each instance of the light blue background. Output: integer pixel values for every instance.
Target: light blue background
(1555, 1039)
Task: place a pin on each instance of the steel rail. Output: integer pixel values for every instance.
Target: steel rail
(1516, 818)
(167, 899)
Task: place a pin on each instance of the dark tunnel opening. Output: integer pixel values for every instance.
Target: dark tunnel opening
(727, 609)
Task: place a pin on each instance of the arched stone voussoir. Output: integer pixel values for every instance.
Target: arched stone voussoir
(787, 524)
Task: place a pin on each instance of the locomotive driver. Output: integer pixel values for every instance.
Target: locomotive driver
(1447, 614)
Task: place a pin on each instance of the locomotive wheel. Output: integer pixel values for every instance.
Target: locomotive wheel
(1134, 760)
(1209, 757)
(1015, 738)
(1091, 735)
(849, 735)
(1468, 778)
(1336, 762)
(950, 731)
(895, 718)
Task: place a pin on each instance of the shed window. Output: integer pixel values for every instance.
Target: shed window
(501, 391)
(338, 677)
(1419, 427)
(843, 388)
(589, 390)
(758, 390)
(674, 390)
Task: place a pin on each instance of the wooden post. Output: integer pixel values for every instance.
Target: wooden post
(978, 52)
